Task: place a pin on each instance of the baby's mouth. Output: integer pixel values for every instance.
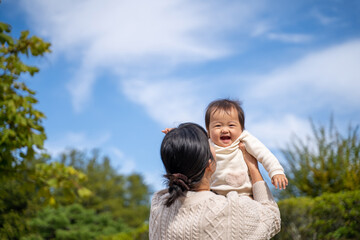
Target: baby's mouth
(224, 138)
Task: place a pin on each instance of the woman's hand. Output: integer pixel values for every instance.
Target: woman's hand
(252, 164)
(167, 130)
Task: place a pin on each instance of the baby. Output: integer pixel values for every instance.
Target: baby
(225, 123)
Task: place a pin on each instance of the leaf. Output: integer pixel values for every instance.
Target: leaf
(4, 38)
(5, 27)
(84, 192)
(52, 182)
(52, 201)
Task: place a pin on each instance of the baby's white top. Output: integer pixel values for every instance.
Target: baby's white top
(231, 170)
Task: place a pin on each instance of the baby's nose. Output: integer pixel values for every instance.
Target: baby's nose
(224, 130)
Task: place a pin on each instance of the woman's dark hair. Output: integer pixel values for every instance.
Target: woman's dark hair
(225, 105)
(185, 153)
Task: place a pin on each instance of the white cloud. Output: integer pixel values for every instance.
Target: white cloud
(277, 132)
(127, 37)
(260, 28)
(290, 38)
(122, 33)
(76, 140)
(128, 166)
(167, 102)
(80, 88)
(124, 164)
(117, 152)
(327, 77)
(85, 142)
(123, 28)
(322, 18)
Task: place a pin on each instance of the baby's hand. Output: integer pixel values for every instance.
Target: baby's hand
(167, 130)
(279, 180)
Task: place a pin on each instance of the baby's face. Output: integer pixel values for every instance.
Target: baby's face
(224, 128)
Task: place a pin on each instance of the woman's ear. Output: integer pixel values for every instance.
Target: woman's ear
(212, 166)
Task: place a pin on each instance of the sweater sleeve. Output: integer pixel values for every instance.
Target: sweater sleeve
(259, 218)
(259, 151)
(155, 216)
(269, 211)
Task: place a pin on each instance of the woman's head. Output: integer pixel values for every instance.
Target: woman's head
(185, 152)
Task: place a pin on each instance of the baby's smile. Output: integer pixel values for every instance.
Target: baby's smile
(225, 139)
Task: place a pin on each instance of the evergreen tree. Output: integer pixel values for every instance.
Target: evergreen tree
(73, 222)
(126, 197)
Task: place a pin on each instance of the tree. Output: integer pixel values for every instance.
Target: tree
(126, 197)
(27, 182)
(20, 123)
(327, 162)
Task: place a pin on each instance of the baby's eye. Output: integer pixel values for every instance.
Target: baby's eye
(217, 125)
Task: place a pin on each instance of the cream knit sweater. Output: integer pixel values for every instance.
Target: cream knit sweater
(231, 170)
(205, 215)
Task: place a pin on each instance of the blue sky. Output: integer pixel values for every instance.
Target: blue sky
(120, 71)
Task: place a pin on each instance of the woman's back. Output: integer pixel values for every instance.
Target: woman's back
(205, 215)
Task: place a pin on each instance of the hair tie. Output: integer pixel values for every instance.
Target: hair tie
(178, 179)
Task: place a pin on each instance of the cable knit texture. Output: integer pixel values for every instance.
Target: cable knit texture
(206, 215)
(231, 170)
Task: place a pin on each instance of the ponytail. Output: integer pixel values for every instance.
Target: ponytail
(178, 186)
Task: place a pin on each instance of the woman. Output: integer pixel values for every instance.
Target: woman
(189, 210)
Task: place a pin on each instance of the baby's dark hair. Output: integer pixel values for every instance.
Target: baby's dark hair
(185, 153)
(225, 105)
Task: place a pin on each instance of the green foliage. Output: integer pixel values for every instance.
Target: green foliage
(330, 216)
(21, 131)
(295, 218)
(20, 123)
(64, 179)
(22, 196)
(126, 197)
(73, 222)
(36, 197)
(337, 216)
(27, 182)
(140, 233)
(325, 162)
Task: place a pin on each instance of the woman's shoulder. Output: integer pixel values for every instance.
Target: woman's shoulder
(159, 197)
(160, 193)
(201, 197)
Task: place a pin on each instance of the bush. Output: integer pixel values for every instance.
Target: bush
(327, 161)
(330, 216)
(140, 233)
(73, 222)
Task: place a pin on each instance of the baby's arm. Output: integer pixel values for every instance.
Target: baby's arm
(268, 160)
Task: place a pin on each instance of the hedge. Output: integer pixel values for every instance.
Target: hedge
(329, 216)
